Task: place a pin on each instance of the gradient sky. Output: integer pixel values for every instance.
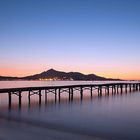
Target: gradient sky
(90, 36)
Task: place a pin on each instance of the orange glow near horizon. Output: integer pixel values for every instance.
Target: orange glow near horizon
(20, 72)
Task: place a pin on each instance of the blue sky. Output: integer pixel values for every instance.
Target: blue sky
(90, 36)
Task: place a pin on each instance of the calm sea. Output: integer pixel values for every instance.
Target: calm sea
(114, 117)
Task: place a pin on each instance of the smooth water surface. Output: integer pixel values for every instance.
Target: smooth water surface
(114, 117)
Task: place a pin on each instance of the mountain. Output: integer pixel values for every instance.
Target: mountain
(59, 75)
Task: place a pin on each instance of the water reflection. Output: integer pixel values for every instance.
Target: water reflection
(113, 116)
(45, 102)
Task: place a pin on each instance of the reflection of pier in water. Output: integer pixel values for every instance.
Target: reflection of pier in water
(70, 89)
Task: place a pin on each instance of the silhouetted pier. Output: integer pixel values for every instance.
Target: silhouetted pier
(70, 89)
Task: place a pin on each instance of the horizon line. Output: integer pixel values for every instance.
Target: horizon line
(69, 72)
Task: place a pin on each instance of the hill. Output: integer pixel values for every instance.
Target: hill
(60, 75)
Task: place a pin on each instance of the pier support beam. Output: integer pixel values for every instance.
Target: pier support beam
(46, 96)
(126, 88)
(112, 89)
(40, 97)
(20, 98)
(71, 93)
(133, 87)
(117, 88)
(100, 90)
(136, 87)
(108, 90)
(81, 92)
(130, 87)
(121, 86)
(55, 92)
(10, 99)
(59, 92)
(91, 90)
(29, 99)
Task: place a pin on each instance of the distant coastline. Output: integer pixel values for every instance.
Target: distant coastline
(54, 75)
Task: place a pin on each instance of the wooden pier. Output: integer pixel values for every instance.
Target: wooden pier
(70, 89)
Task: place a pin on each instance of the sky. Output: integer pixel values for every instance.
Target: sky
(89, 36)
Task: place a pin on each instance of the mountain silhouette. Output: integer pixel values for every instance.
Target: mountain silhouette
(52, 74)
(60, 75)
